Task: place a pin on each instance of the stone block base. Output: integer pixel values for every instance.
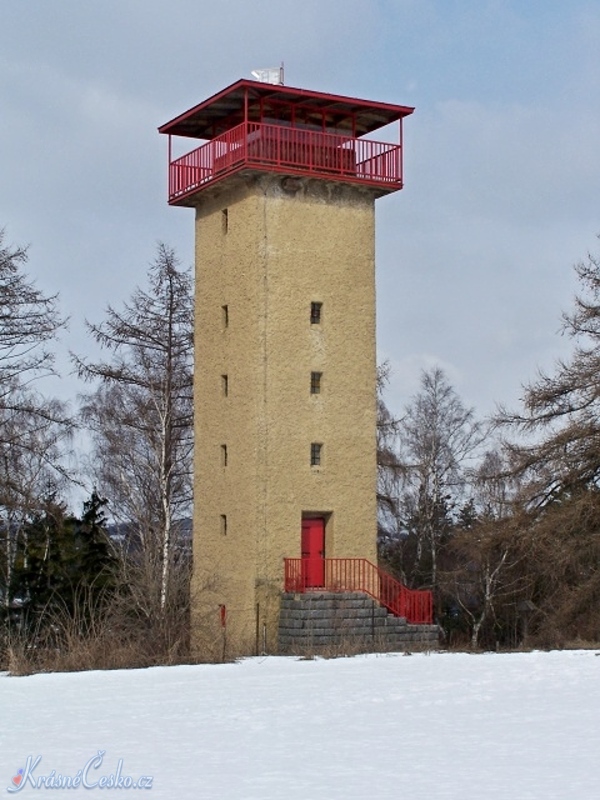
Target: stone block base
(342, 622)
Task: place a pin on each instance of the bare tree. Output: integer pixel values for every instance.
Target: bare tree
(481, 566)
(389, 473)
(29, 320)
(32, 447)
(140, 416)
(438, 438)
(33, 430)
(561, 412)
(556, 458)
(484, 573)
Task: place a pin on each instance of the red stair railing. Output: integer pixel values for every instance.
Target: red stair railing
(360, 575)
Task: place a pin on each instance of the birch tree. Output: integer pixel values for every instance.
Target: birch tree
(483, 575)
(140, 414)
(389, 474)
(438, 439)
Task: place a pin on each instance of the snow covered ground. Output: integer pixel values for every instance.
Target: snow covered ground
(505, 726)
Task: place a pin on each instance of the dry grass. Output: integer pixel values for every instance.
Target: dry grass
(115, 631)
(110, 642)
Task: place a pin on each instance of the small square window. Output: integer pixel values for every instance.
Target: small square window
(223, 455)
(315, 313)
(225, 385)
(315, 382)
(316, 451)
(224, 524)
(225, 316)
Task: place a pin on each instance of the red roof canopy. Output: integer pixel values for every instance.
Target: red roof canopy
(227, 108)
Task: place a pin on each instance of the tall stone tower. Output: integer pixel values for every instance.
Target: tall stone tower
(285, 420)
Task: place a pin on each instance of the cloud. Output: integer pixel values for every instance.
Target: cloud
(502, 164)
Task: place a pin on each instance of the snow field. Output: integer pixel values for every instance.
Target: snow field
(495, 726)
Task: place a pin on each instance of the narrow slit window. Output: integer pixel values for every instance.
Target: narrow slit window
(315, 313)
(224, 524)
(315, 382)
(225, 316)
(225, 385)
(223, 455)
(225, 220)
(316, 452)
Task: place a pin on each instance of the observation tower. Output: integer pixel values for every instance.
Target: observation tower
(283, 185)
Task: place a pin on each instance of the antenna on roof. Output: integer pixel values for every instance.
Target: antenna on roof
(270, 75)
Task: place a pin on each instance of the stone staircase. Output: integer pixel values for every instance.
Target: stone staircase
(317, 621)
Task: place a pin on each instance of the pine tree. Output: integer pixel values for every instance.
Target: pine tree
(64, 564)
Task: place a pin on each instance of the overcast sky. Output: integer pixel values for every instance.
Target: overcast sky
(502, 157)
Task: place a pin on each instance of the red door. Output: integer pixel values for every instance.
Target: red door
(313, 552)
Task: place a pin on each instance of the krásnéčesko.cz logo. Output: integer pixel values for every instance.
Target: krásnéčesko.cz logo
(84, 777)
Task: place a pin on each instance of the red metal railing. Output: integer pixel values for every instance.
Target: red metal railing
(289, 150)
(360, 575)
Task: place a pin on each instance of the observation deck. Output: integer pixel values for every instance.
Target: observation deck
(253, 126)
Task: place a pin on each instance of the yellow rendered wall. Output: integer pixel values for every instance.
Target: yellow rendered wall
(282, 244)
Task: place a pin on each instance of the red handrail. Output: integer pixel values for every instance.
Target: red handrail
(360, 575)
(290, 150)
